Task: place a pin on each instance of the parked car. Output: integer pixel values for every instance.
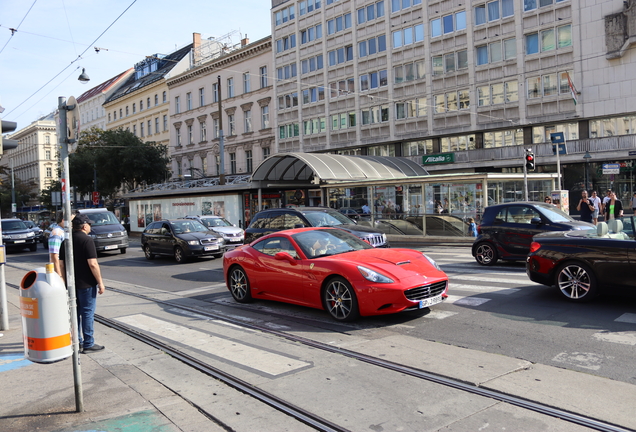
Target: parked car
(584, 263)
(506, 230)
(106, 230)
(232, 234)
(351, 212)
(272, 220)
(16, 235)
(182, 239)
(37, 231)
(331, 269)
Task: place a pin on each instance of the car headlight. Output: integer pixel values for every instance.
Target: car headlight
(123, 233)
(6, 237)
(30, 234)
(432, 261)
(373, 276)
(193, 242)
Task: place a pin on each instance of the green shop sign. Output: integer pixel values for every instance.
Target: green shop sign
(438, 158)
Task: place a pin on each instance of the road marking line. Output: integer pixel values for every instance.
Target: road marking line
(624, 338)
(627, 318)
(466, 301)
(492, 279)
(254, 358)
(483, 289)
(439, 314)
(590, 361)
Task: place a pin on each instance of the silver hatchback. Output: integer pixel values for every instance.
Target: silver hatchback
(233, 235)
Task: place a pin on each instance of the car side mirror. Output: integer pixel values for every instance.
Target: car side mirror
(535, 221)
(299, 225)
(284, 256)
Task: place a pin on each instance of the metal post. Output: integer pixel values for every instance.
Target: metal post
(14, 208)
(68, 263)
(221, 144)
(4, 313)
(558, 155)
(525, 177)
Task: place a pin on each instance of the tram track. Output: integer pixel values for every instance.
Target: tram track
(318, 422)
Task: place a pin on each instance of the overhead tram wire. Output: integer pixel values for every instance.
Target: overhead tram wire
(15, 30)
(78, 57)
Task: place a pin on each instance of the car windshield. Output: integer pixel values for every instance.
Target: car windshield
(13, 226)
(187, 226)
(104, 218)
(320, 243)
(554, 214)
(215, 222)
(326, 218)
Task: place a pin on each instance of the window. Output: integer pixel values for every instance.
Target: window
(285, 43)
(343, 54)
(265, 117)
(188, 101)
(215, 128)
(190, 137)
(372, 46)
(286, 72)
(532, 43)
(398, 5)
(284, 15)
(311, 64)
(48, 154)
(308, 6)
(247, 115)
(534, 87)
(439, 104)
(109, 117)
(134, 109)
(377, 114)
(49, 172)
(266, 152)
(178, 136)
(231, 125)
(156, 125)
(215, 92)
(370, 12)
(204, 132)
(165, 123)
(510, 49)
(438, 65)
(156, 100)
(480, 14)
(149, 127)
(547, 40)
(564, 36)
(497, 93)
(248, 161)
(126, 110)
(549, 85)
(338, 24)
(177, 105)
(482, 55)
(202, 97)
(232, 163)
(408, 36)
(246, 82)
(464, 99)
(230, 87)
(512, 91)
(165, 97)
(483, 96)
(263, 76)
(141, 105)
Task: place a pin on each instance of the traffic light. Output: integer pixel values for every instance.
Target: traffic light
(7, 144)
(530, 161)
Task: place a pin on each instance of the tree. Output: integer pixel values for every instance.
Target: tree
(119, 159)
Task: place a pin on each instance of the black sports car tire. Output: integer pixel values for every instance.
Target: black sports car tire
(179, 255)
(240, 285)
(576, 282)
(148, 253)
(486, 254)
(339, 299)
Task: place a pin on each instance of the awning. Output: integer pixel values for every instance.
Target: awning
(318, 168)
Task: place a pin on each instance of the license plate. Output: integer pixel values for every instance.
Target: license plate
(209, 248)
(110, 247)
(19, 241)
(430, 301)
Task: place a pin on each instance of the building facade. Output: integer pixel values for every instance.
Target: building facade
(92, 112)
(141, 104)
(475, 83)
(246, 100)
(35, 160)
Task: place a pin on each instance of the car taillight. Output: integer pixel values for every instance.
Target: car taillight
(478, 229)
(534, 246)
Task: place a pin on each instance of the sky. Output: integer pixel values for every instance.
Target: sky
(43, 58)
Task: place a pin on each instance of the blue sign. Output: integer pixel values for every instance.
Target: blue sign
(632, 153)
(557, 137)
(562, 149)
(611, 168)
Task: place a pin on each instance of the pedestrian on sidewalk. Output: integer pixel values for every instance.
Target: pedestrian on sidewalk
(88, 281)
(586, 207)
(613, 208)
(634, 203)
(596, 201)
(56, 238)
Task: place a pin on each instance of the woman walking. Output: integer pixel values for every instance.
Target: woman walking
(613, 207)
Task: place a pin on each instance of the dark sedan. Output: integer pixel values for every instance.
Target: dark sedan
(181, 239)
(506, 230)
(584, 263)
(16, 235)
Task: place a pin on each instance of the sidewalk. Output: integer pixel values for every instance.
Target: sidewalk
(130, 386)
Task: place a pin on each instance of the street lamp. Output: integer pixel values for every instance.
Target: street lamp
(83, 78)
(587, 158)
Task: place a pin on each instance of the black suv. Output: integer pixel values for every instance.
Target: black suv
(506, 229)
(16, 235)
(272, 220)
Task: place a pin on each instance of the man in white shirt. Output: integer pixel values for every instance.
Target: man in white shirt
(596, 202)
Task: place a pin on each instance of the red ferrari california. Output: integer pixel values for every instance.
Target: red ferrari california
(328, 268)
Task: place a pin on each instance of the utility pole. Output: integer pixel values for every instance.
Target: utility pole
(69, 264)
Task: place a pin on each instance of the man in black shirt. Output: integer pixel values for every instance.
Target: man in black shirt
(586, 207)
(88, 280)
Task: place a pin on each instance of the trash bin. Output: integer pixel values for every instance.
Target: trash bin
(46, 322)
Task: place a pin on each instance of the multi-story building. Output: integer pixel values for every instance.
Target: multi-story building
(246, 93)
(475, 82)
(92, 112)
(141, 103)
(35, 160)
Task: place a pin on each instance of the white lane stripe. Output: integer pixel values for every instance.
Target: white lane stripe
(493, 279)
(482, 289)
(625, 338)
(254, 358)
(466, 301)
(627, 318)
(439, 314)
